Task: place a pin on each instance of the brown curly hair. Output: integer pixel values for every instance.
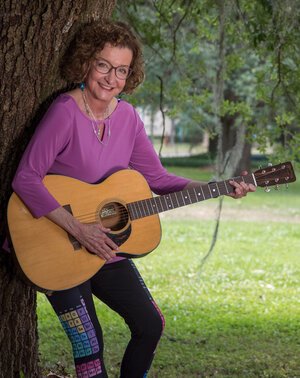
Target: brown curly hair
(91, 39)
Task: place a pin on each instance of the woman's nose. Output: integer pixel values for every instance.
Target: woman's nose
(111, 75)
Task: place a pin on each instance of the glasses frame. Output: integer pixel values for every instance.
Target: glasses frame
(112, 68)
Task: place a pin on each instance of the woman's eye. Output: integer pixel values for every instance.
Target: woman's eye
(102, 65)
(123, 70)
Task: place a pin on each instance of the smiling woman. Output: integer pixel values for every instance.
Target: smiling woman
(90, 41)
(102, 87)
(88, 134)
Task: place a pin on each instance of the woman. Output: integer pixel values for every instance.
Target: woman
(88, 133)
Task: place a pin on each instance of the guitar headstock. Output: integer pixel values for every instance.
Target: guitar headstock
(275, 175)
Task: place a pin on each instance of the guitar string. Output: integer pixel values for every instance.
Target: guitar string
(124, 213)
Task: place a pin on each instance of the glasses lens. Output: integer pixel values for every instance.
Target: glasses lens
(102, 66)
(123, 72)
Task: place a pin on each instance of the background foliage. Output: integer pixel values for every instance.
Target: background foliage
(260, 68)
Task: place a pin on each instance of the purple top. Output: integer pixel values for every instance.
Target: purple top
(65, 144)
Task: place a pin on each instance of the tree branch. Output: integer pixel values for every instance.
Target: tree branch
(161, 108)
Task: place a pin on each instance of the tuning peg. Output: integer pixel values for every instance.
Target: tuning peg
(267, 189)
(270, 164)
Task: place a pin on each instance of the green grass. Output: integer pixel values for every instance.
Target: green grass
(237, 316)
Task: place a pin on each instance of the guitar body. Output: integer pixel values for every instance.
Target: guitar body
(52, 259)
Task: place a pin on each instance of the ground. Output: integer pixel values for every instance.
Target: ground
(205, 211)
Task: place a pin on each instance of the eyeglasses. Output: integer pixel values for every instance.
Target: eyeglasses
(104, 67)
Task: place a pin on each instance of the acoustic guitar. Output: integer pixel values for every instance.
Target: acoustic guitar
(54, 260)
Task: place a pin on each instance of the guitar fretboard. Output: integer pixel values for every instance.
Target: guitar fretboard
(159, 204)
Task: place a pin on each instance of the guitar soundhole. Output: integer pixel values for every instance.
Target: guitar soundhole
(114, 216)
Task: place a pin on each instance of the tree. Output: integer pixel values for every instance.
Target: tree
(34, 35)
(231, 67)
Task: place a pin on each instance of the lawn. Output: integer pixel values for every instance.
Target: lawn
(238, 315)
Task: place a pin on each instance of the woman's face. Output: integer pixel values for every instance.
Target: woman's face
(105, 86)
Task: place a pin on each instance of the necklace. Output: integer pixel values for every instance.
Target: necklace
(98, 128)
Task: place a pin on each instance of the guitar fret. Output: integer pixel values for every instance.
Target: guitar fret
(176, 196)
(165, 206)
(221, 188)
(185, 197)
(214, 189)
(202, 192)
(171, 205)
(183, 203)
(206, 191)
(132, 212)
(183, 200)
(161, 204)
(149, 210)
(172, 199)
(192, 196)
(188, 193)
(169, 202)
(154, 206)
(196, 194)
(137, 209)
(144, 212)
(141, 208)
(158, 204)
(226, 182)
(208, 186)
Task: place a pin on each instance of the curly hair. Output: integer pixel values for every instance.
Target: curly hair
(90, 39)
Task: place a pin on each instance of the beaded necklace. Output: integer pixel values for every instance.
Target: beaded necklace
(98, 128)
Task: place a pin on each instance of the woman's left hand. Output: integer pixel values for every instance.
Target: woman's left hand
(241, 189)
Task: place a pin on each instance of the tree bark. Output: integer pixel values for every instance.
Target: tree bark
(33, 35)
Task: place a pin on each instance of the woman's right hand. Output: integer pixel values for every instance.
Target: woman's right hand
(93, 236)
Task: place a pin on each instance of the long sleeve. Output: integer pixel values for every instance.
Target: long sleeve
(50, 138)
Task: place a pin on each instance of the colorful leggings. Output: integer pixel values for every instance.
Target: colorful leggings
(121, 287)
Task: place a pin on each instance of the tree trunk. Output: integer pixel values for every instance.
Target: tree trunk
(230, 137)
(235, 149)
(33, 37)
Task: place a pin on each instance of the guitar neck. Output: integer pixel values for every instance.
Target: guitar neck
(159, 204)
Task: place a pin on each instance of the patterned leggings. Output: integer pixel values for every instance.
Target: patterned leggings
(121, 287)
